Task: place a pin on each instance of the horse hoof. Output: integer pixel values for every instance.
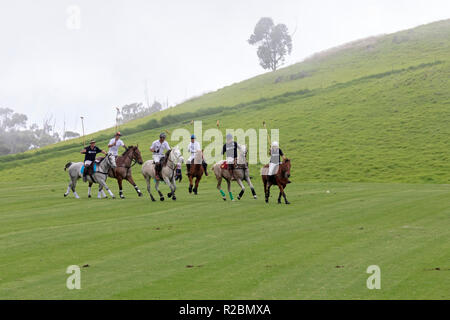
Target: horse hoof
(153, 199)
(174, 198)
(267, 200)
(162, 198)
(89, 196)
(65, 195)
(255, 197)
(279, 202)
(239, 198)
(287, 202)
(140, 195)
(224, 199)
(169, 195)
(113, 197)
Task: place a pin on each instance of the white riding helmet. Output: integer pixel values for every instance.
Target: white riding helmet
(275, 144)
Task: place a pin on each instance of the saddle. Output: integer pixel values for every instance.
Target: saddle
(224, 165)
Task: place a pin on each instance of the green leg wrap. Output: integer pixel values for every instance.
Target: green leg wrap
(222, 193)
(231, 196)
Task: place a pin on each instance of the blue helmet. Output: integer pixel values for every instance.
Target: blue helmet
(193, 136)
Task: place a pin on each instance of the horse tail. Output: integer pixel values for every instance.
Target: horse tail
(68, 164)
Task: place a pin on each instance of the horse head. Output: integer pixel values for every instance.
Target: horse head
(242, 154)
(286, 168)
(111, 160)
(175, 155)
(137, 155)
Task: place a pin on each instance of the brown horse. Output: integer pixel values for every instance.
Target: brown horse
(281, 179)
(123, 169)
(196, 171)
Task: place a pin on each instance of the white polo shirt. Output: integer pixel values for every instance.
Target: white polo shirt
(160, 148)
(115, 149)
(193, 148)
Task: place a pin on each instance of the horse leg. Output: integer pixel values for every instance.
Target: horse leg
(74, 185)
(265, 190)
(279, 197)
(229, 189)
(268, 192)
(284, 194)
(119, 182)
(103, 183)
(130, 180)
(171, 194)
(190, 183)
(197, 181)
(161, 197)
(239, 181)
(219, 187)
(100, 190)
(89, 189)
(69, 187)
(250, 184)
(147, 179)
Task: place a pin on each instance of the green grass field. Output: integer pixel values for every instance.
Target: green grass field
(369, 122)
(317, 248)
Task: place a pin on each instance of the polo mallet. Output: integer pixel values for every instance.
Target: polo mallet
(268, 136)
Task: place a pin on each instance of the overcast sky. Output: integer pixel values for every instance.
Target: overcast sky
(180, 48)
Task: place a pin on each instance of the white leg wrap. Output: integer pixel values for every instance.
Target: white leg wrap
(103, 193)
(99, 195)
(76, 195)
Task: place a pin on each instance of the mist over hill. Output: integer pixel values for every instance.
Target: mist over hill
(372, 110)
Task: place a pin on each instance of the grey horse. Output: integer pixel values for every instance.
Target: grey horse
(74, 170)
(240, 173)
(169, 166)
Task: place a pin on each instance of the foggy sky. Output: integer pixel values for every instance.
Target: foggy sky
(181, 48)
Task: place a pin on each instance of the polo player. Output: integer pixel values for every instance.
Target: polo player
(159, 148)
(90, 152)
(193, 147)
(115, 143)
(275, 158)
(230, 150)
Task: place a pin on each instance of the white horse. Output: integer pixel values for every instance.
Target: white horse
(74, 170)
(169, 166)
(240, 173)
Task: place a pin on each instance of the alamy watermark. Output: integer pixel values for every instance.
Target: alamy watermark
(374, 281)
(74, 280)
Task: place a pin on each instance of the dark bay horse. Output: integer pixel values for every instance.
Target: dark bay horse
(281, 179)
(124, 163)
(196, 171)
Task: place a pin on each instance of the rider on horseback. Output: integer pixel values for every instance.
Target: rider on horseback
(193, 147)
(90, 152)
(159, 147)
(115, 143)
(230, 150)
(275, 159)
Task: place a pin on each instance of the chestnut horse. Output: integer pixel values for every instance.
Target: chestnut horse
(196, 171)
(281, 179)
(123, 169)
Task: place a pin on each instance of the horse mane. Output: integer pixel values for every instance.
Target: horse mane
(128, 149)
(166, 158)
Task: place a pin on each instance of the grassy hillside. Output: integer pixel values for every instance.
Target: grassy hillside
(366, 126)
(376, 110)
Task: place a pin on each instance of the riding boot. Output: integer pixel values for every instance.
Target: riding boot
(205, 168)
(157, 171)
